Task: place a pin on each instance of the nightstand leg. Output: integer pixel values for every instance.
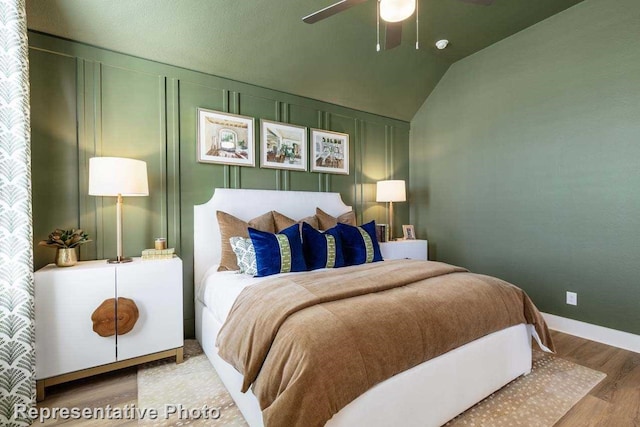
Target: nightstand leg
(179, 355)
(40, 390)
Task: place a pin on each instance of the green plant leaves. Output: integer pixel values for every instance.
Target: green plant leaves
(65, 239)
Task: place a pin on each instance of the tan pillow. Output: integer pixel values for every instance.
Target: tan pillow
(283, 221)
(326, 221)
(230, 226)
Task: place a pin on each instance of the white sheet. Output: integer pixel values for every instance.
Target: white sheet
(219, 290)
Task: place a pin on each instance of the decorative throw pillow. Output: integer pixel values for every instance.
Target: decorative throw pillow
(322, 249)
(359, 244)
(283, 221)
(245, 255)
(278, 253)
(326, 221)
(230, 226)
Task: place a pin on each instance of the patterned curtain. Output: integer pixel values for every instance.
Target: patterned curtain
(17, 354)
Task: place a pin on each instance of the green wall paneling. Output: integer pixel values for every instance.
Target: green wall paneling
(88, 79)
(174, 238)
(196, 179)
(311, 118)
(130, 107)
(133, 125)
(54, 160)
(372, 167)
(524, 163)
(344, 184)
(398, 167)
(269, 109)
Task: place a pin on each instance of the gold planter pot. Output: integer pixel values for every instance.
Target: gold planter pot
(66, 257)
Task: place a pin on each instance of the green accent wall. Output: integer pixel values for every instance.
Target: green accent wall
(525, 163)
(90, 102)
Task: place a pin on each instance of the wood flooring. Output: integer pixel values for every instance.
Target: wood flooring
(615, 402)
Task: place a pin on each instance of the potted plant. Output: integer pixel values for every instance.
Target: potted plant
(66, 242)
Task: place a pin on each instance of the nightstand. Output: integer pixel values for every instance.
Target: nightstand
(86, 322)
(403, 249)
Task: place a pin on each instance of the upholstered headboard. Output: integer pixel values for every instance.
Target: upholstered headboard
(246, 205)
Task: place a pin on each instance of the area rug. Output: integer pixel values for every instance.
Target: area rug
(539, 399)
(194, 384)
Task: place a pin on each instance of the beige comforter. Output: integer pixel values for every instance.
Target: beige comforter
(313, 342)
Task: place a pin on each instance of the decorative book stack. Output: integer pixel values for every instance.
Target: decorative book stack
(158, 253)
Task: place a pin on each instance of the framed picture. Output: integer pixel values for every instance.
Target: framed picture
(283, 146)
(329, 152)
(225, 138)
(408, 232)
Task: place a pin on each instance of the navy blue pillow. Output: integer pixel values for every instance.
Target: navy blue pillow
(278, 253)
(322, 250)
(359, 244)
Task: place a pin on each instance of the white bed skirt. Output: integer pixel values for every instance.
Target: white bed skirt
(429, 394)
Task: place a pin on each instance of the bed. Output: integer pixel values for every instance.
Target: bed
(428, 394)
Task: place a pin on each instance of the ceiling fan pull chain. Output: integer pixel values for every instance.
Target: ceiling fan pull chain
(417, 25)
(378, 23)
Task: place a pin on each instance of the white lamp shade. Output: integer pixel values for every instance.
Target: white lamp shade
(110, 176)
(396, 10)
(391, 191)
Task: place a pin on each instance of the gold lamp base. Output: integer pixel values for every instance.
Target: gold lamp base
(119, 260)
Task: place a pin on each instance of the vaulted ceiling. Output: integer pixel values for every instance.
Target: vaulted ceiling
(264, 42)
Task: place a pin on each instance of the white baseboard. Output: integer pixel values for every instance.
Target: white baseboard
(592, 332)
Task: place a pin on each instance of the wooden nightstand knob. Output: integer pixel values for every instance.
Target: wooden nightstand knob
(108, 321)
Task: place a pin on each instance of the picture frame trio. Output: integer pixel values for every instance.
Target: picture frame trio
(225, 138)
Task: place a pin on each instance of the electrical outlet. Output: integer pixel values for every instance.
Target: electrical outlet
(572, 298)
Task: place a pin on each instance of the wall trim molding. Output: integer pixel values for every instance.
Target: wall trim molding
(613, 337)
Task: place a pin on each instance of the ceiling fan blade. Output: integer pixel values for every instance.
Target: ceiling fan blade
(331, 10)
(393, 35)
(481, 2)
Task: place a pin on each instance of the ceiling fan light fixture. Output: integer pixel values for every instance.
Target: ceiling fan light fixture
(396, 10)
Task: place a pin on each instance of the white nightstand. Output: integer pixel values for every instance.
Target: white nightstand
(68, 348)
(402, 249)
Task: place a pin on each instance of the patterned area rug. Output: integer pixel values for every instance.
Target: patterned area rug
(539, 399)
(193, 384)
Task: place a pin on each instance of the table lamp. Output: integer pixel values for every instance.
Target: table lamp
(118, 177)
(391, 191)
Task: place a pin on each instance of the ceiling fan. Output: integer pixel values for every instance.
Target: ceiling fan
(393, 12)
